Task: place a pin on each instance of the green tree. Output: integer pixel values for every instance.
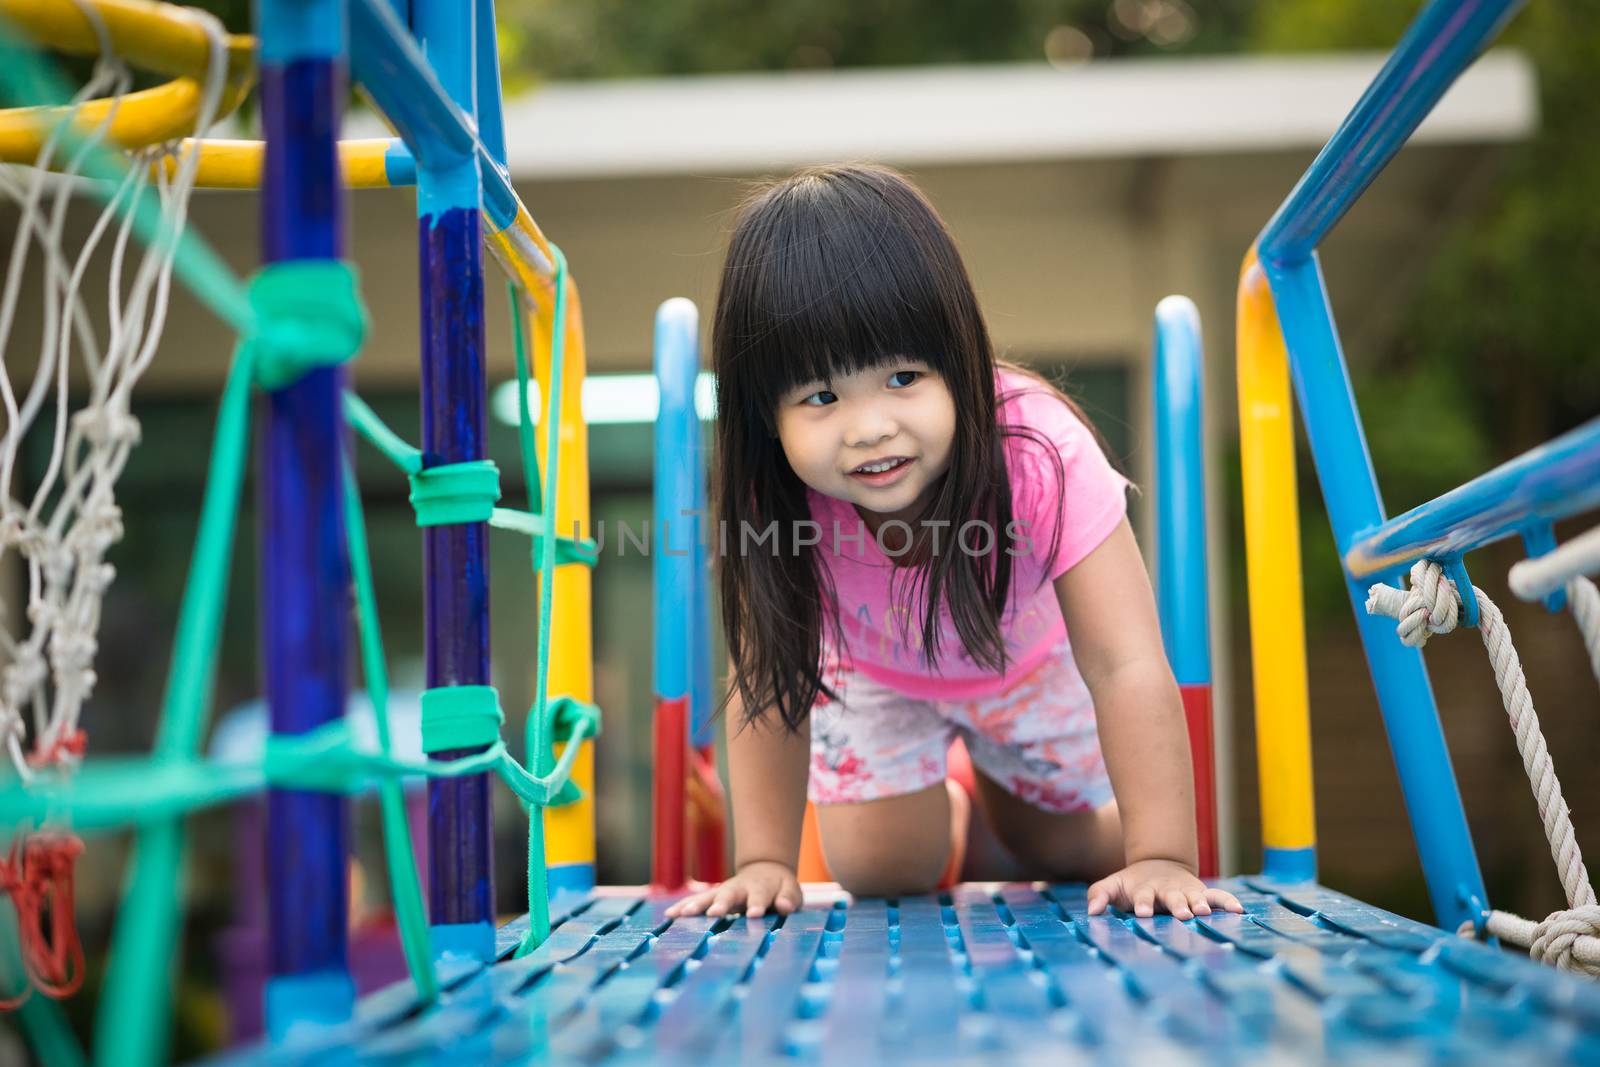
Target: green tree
(560, 39)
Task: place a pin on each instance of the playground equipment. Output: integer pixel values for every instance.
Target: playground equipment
(1012, 974)
(688, 798)
(1286, 331)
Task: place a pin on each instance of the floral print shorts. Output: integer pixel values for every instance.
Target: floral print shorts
(1036, 739)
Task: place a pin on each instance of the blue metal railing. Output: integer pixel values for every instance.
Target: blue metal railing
(1441, 42)
(1557, 479)
(438, 133)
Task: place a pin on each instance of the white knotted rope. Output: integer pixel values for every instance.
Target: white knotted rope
(1569, 939)
(64, 530)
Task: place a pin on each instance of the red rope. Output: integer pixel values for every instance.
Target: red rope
(38, 877)
(56, 751)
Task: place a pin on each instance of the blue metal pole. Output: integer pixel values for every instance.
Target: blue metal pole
(1410, 717)
(1440, 43)
(677, 458)
(434, 129)
(702, 732)
(491, 116)
(1181, 493)
(674, 569)
(1181, 560)
(455, 557)
(304, 571)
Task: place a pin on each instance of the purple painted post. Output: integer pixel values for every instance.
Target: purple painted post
(304, 572)
(454, 427)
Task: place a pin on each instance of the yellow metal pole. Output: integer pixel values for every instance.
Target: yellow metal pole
(237, 164)
(1277, 615)
(569, 830)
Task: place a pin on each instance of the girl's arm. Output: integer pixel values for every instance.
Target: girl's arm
(1116, 641)
(767, 771)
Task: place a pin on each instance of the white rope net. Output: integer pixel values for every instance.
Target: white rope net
(1569, 939)
(58, 530)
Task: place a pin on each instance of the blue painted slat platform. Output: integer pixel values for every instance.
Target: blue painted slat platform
(1011, 974)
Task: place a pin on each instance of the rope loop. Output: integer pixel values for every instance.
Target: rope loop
(571, 717)
(1568, 939)
(455, 492)
(308, 315)
(38, 876)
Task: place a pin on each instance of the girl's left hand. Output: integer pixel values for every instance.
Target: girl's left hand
(1141, 887)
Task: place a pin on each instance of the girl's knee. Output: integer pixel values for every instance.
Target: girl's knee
(1076, 847)
(869, 873)
(897, 846)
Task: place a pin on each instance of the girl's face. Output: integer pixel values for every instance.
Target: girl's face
(899, 411)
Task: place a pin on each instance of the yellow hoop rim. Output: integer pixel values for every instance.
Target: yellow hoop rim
(159, 37)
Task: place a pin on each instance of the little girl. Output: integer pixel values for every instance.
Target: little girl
(913, 528)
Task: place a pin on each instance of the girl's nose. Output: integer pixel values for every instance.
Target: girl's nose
(870, 427)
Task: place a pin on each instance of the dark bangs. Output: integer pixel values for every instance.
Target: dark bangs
(839, 271)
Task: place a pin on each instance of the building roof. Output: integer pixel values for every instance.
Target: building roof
(747, 123)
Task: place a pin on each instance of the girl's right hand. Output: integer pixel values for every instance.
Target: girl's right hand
(752, 890)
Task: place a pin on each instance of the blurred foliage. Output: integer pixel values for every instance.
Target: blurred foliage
(561, 39)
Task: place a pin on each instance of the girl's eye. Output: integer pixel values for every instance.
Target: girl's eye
(910, 375)
(822, 393)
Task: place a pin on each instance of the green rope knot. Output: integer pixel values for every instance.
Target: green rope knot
(308, 314)
(455, 492)
(460, 716)
(324, 759)
(571, 717)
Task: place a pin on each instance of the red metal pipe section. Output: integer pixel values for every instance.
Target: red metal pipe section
(707, 817)
(671, 794)
(1197, 712)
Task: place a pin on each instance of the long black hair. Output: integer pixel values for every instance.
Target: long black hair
(832, 271)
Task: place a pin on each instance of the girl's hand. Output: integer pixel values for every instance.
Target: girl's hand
(755, 887)
(1140, 887)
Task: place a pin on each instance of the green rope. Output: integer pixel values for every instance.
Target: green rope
(540, 747)
(568, 550)
(460, 716)
(461, 492)
(308, 314)
(113, 793)
(455, 492)
(571, 718)
(377, 432)
(134, 1010)
(294, 317)
(405, 884)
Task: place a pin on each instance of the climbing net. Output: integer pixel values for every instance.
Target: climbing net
(1569, 938)
(62, 530)
(291, 318)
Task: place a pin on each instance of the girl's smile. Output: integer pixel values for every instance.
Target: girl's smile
(883, 473)
(899, 412)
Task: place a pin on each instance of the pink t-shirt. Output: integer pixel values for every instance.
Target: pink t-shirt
(885, 644)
